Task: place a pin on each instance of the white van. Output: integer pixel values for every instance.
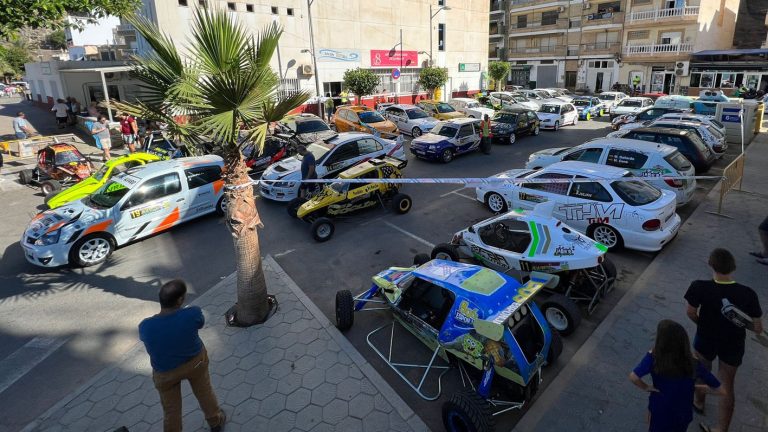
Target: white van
(674, 101)
(641, 158)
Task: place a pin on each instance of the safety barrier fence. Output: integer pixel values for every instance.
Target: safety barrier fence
(733, 174)
(27, 147)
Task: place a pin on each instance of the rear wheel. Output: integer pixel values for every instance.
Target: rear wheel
(293, 206)
(557, 125)
(420, 259)
(401, 203)
(416, 132)
(25, 177)
(496, 203)
(466, 411)
(536, 130)
(561, 313)
(322, 229)
(607, 235)
(50, 186)
(345, 310)
(91, 250)
(447, 155)
(512, 138)
(588, 117)
(445, 251)
(221, 206)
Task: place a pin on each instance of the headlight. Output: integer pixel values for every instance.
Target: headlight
(49, 238)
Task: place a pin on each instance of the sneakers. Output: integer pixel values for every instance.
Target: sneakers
(220, 426)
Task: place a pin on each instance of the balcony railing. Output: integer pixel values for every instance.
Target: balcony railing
(497, 30)
(527, 2)
(540, 50)
(595, 19)
(518, 27)
(657, 14)
(600, 48)
(498, 6)
(658, 49)
(497, 53)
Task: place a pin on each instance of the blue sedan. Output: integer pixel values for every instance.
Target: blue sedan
(589, 107)
(448, 139)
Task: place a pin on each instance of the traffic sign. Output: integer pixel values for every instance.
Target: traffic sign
(395, 73)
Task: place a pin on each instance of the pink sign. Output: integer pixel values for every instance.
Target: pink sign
(387, 58)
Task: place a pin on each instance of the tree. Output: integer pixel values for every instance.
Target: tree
(498, 71)
(17, 14)
(13, 56)
(361, 82)
(224, 87)
(57, 40)
(432, 78)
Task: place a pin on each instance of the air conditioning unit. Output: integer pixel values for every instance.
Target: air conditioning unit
(307, 69)
(681, 68)
(587, 5)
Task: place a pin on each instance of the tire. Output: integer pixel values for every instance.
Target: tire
(49, 196)
(536, 131)
(345, 310)
(50, 186)
(512, 138)
(557, 126)
(415, 132)
(610, 268)
(561, 313)
(608, 236)
(446, 252)
(401, 203)
(221, 206)
(495, 202)
(420, 259)
(588, 117)
(555, 347)
(293, 206)
(322, 229)
(91, 250)
(467, 411)
(25, 177)
(447, 156)
(601, 113)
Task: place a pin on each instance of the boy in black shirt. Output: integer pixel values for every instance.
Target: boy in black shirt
(713, 306)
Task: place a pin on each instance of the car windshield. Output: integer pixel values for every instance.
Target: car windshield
(635, 193)
(66, 157)
(473, 105)
(370, 117)
(607, 97)
(108, 195)
(444, 108)
(581, 102)
(445, 130)
(318, 150)
(550, 109)
(505, 117)
(519, 99)
(310, 126)
(416, 113)
(630, 103)
(678, 161)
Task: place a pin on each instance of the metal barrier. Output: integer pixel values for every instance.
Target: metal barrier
(28, 147)
(732, 174)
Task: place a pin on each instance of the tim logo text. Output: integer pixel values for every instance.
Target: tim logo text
(593, 212)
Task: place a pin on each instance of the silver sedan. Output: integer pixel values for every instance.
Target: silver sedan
(410, 119)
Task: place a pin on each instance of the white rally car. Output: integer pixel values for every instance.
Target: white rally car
(332, 156)
(554, 115)
(613, 211)
(134, 204)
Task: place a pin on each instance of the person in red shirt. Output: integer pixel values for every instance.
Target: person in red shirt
(129, 130)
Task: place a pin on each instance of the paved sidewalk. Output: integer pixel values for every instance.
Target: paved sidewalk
(296, 372)
(592, 393)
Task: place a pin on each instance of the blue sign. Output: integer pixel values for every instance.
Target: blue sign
(342, 55)
(731, 115)
(395, 73)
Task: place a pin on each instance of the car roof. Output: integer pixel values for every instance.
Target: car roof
(356, 108)
(58, 148)
(515, 110)
(629, 144)
(154, 168)
(678, 122)
(611, 93)
(555, 102)
(343, 137)
(637, 98)
(583, 97)
(592, 170)
(298, 118)
(429, 101)
(457, 277)
(662, 130)
(403, 106)
(462, 120)
(464, 99)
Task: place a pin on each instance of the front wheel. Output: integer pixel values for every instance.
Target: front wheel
(25, 177)
(401, 203)
(293, 206)
(588, 117)
(50, 186)
(91, 250)
(557, 125)
(445, 251)
(345, 310)
(416, 132)
(467, 411)
(536, 130)
(512, 138)
(607, 235)
(447, 155)
(561, 313)
(322, 229)
(221, 206)
(496, 203)
(50, 196)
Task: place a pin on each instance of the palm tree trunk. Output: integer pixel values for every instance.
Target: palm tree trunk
(243, 220)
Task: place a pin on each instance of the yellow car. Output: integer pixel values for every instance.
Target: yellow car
(339, 198)
(359, 118)
(440, 110)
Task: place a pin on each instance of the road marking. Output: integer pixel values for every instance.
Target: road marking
(278, 255)
(464, 196)
(378, 219)
(409, 234)
(453, 191)
(23, 360)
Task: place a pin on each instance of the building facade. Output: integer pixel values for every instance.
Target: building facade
(381, 35)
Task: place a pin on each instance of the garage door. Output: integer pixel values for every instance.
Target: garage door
(546, 76)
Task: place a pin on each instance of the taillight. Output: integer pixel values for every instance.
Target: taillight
(676, 183)
(652, 225)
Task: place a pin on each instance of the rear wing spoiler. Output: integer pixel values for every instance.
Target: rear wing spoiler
(493, 327)
(399, 163)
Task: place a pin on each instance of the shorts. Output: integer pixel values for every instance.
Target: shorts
(129, 139)
(730, 352)
(106, 143)
(62, 120)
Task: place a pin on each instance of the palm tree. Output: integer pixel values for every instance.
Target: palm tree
(222, 86)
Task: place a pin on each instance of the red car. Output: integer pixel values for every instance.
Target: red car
(58, 166)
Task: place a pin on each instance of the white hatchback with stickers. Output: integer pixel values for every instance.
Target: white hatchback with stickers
(593, 199)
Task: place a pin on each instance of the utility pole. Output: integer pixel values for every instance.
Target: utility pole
(314, 60)
(401, 65)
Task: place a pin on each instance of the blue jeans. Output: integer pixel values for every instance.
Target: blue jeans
(21, 135)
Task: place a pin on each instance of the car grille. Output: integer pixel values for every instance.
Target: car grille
(31, 240)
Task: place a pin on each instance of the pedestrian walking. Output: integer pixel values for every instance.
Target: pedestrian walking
(762, 255)
(21, 126)
(77, 109)
(129, 131)
(177, 353)
(308, 172)
(70, 113)
(673, 371)
(485, 134)
(61, 113)
(329, 107)
(93, 110)
(722, 310)
(100, 130)
(344, 97)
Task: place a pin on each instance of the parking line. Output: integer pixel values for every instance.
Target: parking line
(23, 360)
(281, 254)
(453, 191)
(409, 234)
(465, 196)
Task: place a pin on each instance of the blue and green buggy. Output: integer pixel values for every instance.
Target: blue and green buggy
(472, 318)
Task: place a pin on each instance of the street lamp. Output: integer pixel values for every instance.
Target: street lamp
(427, 54)
(432, 15)
(314, 59)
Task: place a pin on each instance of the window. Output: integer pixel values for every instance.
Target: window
(640, 34)
(636, 193)
(182, 2)
(626, 159)
(591, 191)
(466, 131)
(441, 2)
(707, 80)
(202, 176)
(642, 136)
(289, 11)
(727, 80)
(678, 161)
(155, 188)
(231, 6)
(274, 10)
(549, 18)
(249, 8)
(368, 145)
(560, 188)
(609, 7)
(345, 152)
(522, 21)
(441, 37)
(574, 23)
(585, 155)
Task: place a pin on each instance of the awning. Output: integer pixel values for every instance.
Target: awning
(731, 52)
(106, 69)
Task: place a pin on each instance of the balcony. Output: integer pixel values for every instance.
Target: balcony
(497, 53)
(538, 26)
(498, 6)
(541, 51)
(658, 49)
(664, 14)
(600, 48)
(532, 2)
(497, 30)
(600, 19)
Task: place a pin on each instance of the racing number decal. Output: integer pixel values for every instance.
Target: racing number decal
(526, 291)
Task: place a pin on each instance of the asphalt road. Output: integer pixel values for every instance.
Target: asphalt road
(63, 326)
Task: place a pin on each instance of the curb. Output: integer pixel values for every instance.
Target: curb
(376, 379)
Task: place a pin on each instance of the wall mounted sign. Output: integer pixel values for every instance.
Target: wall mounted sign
(334, 55)
(389, 58)
(469, 67)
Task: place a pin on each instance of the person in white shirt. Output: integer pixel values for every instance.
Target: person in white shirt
(61, 113)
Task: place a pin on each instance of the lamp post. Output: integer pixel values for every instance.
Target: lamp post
(432, 15)
(427, 54)
(314, 59)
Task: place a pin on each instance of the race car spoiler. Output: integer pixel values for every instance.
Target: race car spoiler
(399, 163)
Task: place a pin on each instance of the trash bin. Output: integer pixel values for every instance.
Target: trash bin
(729, 113)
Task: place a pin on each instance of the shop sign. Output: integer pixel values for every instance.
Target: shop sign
(389, 58)
(333, 55)
(731, 115)
(469, 67)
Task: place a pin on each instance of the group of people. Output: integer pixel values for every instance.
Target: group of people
(129, 133)
(66, 111)
(723, 310)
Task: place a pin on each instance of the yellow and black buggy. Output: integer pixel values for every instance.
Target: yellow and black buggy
(339, 199)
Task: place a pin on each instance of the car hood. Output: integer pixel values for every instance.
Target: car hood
(74, 192)
(74, 216)
(384, 126)
(311, 137)
(287, 169)
(429, 138)
(514, 173)
(484, 111)
(428, 122)
(549, 151)
(450, 115)
(547, 116)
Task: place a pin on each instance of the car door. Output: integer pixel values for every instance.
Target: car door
(531, 193)
(205, 186)
(343, 156)
(398, 117)
(590, 203)
(466, 139)
(340, 119)
(533, 120)
(153, 206)
(523, 125)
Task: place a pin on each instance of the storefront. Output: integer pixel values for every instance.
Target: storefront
(728, 70)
